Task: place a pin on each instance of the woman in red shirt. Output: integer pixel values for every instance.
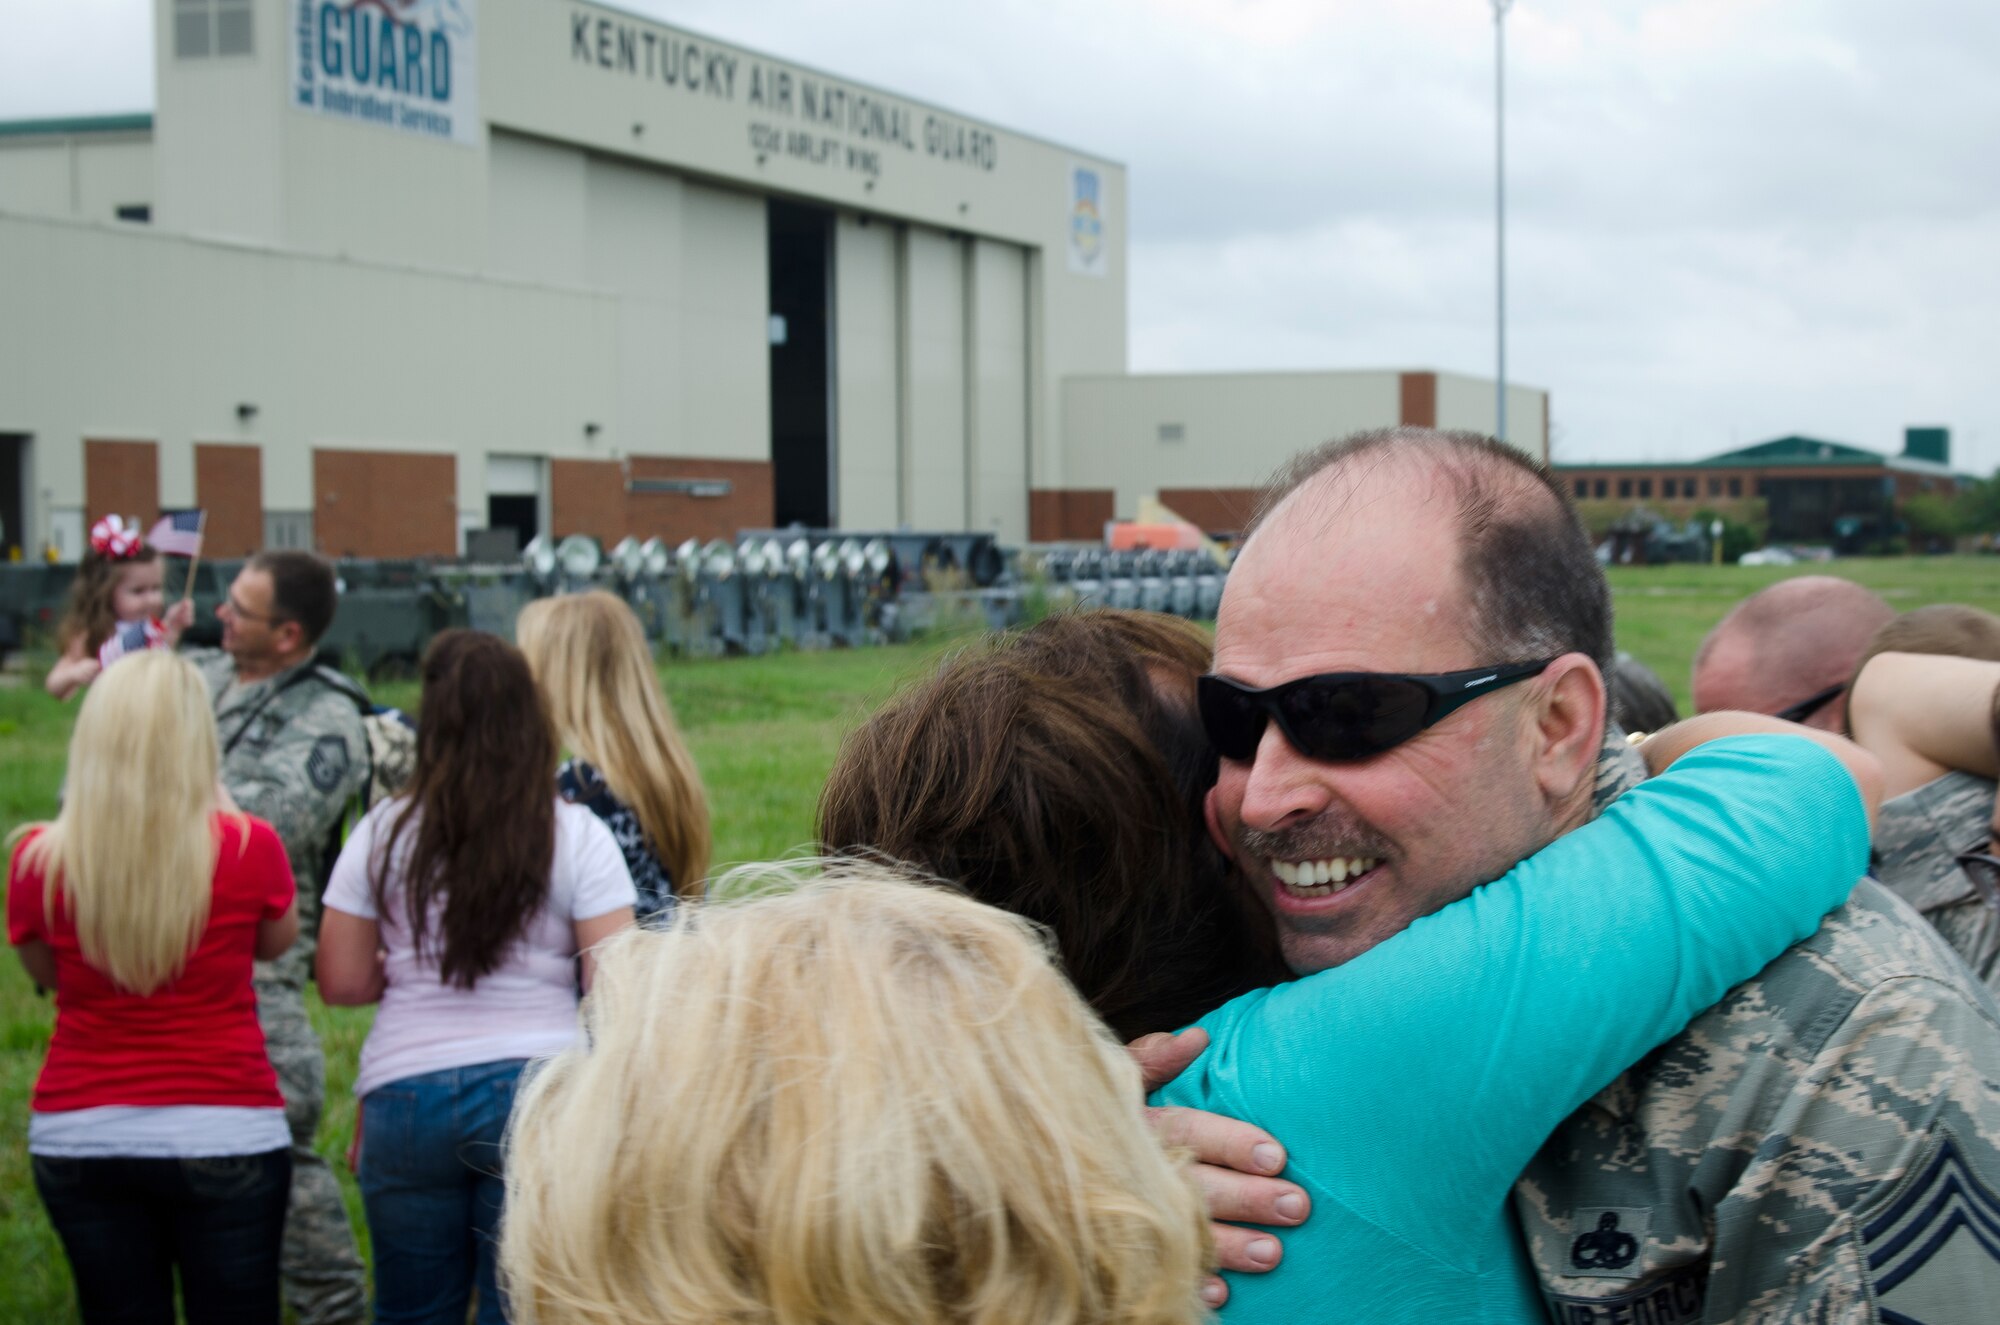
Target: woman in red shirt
(158, 1136)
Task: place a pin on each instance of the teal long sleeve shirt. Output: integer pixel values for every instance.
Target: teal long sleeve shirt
(1412, 1085)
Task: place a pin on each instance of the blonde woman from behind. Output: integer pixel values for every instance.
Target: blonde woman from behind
(877, 1103)
(628, 763)
(158, 1135)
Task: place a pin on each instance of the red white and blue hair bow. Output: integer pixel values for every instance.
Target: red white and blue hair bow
(112, 537)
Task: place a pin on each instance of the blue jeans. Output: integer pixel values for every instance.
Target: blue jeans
(431, 1183)
(128, 1224)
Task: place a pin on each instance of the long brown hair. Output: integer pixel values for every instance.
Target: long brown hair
(590, 655)
(89, 616)
(481, 803)
(1059, 773)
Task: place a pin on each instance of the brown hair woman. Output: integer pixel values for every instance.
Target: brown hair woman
(479, 889)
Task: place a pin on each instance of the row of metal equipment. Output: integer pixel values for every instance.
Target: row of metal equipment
(814, 589)
(767, 589)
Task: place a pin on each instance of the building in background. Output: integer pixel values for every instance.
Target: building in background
(1206, 442)
(1804, 490)
(374, 276)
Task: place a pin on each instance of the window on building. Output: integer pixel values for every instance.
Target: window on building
(211, 27)
(1582, 488)
(135, 211)
(1736, 487)
(1624, 487)
(1763, 487)
(1670, 487)
(1715, 487)
(1645, 487)
(1601, 486)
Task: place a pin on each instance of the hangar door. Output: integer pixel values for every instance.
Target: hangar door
(932, 379)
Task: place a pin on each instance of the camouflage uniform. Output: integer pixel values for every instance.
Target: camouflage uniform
(1820, 1148)
(1917, 839)
(294, 755)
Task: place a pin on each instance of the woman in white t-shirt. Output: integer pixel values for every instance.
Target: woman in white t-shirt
(461, 906)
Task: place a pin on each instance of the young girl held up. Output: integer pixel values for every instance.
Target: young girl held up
(120, 583)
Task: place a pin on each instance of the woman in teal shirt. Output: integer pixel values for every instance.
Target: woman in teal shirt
(1413, 1084)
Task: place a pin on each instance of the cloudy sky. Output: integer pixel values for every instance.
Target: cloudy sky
(1728, 219)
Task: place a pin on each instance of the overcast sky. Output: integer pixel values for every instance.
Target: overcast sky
(1728, 219)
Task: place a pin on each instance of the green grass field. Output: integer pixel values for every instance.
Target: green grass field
(764, 732)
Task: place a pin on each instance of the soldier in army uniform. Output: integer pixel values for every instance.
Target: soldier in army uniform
(1941, 797)
(1934, 721)
(1824, 1145)
(294, 753)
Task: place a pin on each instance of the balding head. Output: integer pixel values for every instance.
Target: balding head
(1528, 582)
(1786, 644)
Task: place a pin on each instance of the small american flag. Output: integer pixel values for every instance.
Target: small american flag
(130, 637)
(178, 533)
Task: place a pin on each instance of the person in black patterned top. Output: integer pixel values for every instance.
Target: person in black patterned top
(628, 763)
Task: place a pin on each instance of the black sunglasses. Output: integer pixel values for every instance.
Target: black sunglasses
(1339, 716)
(1805, 708)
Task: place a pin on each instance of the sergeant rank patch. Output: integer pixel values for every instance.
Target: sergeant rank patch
(1937, 1239)
(327, 764)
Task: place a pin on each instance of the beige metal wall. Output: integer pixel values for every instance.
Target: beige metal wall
(1467, 402)
(1139, 434)
(332, 354)
(88, 176)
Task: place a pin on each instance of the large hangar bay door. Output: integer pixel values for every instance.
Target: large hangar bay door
(801, 248)
(13, 497)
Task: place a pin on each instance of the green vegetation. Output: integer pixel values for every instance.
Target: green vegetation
(764, 731)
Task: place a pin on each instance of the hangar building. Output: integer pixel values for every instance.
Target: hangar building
(371, 276)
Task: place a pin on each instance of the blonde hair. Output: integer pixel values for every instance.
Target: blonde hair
(877, 1102)
(596, 672)
(132, 851)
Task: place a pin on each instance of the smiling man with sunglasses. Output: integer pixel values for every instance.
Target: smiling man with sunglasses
(1408, 698)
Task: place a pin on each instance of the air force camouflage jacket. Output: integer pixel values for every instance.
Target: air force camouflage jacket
(294, 753)
(1820, 1148)
(1918, 839)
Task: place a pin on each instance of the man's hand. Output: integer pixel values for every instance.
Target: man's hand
(1236, 1165)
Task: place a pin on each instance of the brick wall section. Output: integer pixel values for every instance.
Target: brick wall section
(1419, 406)
(677, 516)
(1215, 510)
(593, 497)
(385, 504)
(229, 486)
(587, 497)
(1746, 476)
(1062, 515)
(121, 478)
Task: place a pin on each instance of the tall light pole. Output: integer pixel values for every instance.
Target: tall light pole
(1500, 8)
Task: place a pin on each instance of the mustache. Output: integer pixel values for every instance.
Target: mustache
(1328, 835)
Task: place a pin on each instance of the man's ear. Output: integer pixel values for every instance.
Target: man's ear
(1567, 717)
(291, 638)
(1215, 833)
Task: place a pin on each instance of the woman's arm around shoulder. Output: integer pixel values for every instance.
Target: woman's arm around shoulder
(1666, 747)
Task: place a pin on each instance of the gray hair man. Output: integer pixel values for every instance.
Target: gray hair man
(1793, 1155)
